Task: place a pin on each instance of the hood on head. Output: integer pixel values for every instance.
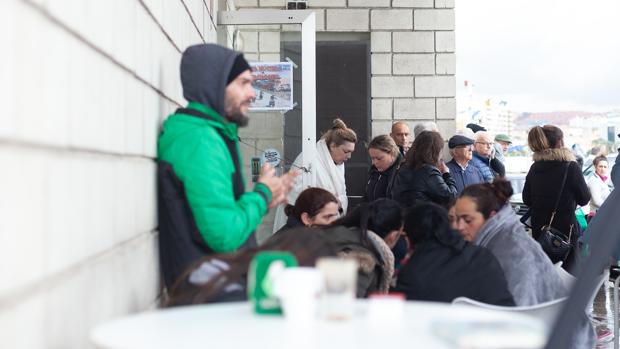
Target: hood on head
(204, 73)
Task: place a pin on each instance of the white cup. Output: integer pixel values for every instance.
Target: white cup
(338, 299)
(298, 289)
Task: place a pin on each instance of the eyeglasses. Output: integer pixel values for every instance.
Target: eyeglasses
(468, 146)
(488, 144)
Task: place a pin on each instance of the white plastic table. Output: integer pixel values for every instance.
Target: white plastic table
(234, 325)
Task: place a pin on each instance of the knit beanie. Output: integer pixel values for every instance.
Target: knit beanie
(238, 67)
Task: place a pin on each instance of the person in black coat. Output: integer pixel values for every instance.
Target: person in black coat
(543, 181)
(424, 177)
(386, 159)
(443, 266)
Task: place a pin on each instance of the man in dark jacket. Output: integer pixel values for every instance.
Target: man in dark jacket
(401, 134)
(463, 173)
(203, 206)
(483, 158)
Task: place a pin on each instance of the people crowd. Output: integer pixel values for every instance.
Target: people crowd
(431, 230)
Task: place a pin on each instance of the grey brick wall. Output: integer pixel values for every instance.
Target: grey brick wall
(412, 62)
(78, 140)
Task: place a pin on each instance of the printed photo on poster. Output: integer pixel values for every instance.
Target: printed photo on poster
(273, 84)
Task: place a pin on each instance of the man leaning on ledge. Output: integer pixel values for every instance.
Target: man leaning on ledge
(203, 206)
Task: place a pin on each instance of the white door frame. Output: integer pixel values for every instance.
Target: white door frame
(308, 71)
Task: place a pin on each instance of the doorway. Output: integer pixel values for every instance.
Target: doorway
(342, 90)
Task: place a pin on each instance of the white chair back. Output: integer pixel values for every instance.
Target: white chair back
(546, 312)
(569, 281)
(566, 277)
(599, 282)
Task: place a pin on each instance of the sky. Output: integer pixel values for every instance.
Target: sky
(539, 55)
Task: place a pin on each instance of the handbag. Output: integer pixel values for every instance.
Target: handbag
(555, 243)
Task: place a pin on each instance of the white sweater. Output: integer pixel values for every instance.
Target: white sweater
(599, 191)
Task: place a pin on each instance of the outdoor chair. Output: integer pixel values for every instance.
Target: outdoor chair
(569, 280)
(546, 312)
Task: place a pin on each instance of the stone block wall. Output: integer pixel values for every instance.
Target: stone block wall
(84, 87)
(412, 60)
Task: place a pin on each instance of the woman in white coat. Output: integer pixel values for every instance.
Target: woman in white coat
(332, 151)
(598, 184)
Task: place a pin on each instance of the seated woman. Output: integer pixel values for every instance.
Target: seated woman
(424, 177)
(443, 266)
(313, 207)
(223, 278)
(367, 234)
(485, 218)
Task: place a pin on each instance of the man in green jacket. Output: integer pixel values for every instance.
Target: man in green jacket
(200, 144)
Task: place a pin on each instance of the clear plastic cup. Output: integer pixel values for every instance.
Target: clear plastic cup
(338, 299)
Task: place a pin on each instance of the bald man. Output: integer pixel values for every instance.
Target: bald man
(401, 134)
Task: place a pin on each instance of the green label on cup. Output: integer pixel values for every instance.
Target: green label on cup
(264, 267)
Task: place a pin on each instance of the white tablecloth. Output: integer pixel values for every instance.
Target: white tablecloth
(234, 325)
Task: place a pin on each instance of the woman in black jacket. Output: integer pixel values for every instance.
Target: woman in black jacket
(543, 182)
(424, 177)
(443, 266)
(386, 159)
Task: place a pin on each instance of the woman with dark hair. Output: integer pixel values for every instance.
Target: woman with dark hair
(552, 161)
(223, 278)
(485, 218)
(386, 159)
(313, 207)
(443, 266)
(424, 177)
(367, 234)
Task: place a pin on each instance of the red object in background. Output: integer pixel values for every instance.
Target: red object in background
(392, 295)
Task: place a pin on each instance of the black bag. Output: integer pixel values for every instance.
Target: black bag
(555, 243)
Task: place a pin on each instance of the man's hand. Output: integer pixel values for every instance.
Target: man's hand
(279, 186)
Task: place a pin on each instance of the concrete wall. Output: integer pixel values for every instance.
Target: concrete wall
(413, 59)
(84, 86)
(413, 62)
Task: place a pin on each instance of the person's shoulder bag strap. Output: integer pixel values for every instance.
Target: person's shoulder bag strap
(557, 202)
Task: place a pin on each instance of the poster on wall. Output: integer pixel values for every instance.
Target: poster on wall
(273, 84)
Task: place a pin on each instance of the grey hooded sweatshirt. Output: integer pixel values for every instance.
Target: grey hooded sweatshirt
(204, 73)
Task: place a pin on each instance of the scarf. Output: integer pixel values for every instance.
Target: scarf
(330, 176)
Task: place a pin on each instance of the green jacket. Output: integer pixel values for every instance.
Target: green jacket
(201, 160)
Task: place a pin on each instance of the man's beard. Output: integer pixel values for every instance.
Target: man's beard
(239, 118)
